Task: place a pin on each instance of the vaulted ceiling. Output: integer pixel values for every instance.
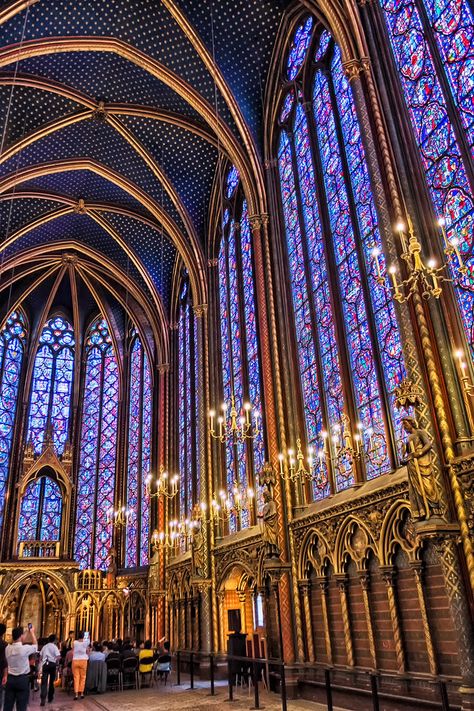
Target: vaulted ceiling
(114, 117)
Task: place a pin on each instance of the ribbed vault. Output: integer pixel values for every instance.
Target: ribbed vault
(116, 116)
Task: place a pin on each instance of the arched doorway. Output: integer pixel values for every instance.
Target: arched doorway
(37, 599)
(134, 616)
(241, 609)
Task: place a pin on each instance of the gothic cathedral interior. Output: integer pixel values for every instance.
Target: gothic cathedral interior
(237, 333)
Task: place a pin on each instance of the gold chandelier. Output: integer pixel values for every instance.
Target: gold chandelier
(118, 518)
(233, 426)
(426, 278)
(163, 485)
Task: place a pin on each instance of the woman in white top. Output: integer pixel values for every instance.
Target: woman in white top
(80, 655)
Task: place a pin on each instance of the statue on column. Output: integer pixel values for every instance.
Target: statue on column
(197, 552)
(112, 568)
(417, 455)
(154, 572)
(269, 513)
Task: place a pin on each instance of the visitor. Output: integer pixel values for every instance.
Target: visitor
(113, 652)
(49, 656)
(3, 662)
(67, 644)
(127, 651)
(96, 654)
(80, 656)
(17, 656)
(145, 658)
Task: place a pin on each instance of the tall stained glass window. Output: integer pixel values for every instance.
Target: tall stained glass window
(239, 345)
(12, 344)
(348, 343)
(187, 404)
(50, 401)
(96, 478)
(41, 511)
(432, 46)
(139, 456)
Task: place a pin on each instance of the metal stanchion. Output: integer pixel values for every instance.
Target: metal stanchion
(283, 687)
(229, 677)
(375, 692)
(255, 686)
(191, 670)
(178, 668)
(327, 680)
(211, 659)
(443, 693)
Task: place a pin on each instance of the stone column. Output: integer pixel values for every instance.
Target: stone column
(305, 588)
(417, 568)
(323, 585)
(364, 578)
(389, 576)
(342, 583)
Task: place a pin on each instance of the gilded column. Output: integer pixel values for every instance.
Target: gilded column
(364, 578)
(221, 600)
(461, 615)
(205, 467)
(389, 576)
(418, 573)
(323, 586)
(343, 583)
(305, 587)
(272, 384)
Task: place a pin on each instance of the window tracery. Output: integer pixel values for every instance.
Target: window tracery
(188, 435)
(41, 511)
(431, 46)
(98, 443)
(348, 343)
(12, 345)
(139, 456)
(50, 400)
(240, 364)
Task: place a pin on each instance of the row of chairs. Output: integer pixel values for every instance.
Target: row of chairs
(126, 674)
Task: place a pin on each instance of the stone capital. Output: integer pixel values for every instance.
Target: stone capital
(200, 310)
(163, 368)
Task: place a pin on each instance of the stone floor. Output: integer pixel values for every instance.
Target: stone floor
(163, 698)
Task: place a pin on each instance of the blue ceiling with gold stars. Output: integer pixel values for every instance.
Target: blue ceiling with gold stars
(112, 136)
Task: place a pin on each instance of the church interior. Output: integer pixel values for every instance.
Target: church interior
(237, 334)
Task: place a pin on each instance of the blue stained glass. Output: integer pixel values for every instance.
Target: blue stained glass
(236, 345)
(287, 105)
(440, 154)
(187, 404)
(360, 349)
(299, 48)
(232, 181)
(182, 404)
(225, 351)
(12, 343)
(383, 309)
(327, 343)
(453, 26)
(40, 511)
(134, 439)
(253, 364)
(147, 413)
(306, 346)
(52, 385)
(96, 479)
(323, 44)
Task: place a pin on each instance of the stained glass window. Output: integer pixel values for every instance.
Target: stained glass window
(342, 318)
(139, 451)
(241, 377)
(50, 401)
(12, 344)
(432, 46)
(96, 478)
(299, 48)
(40, 511)
(188, 431)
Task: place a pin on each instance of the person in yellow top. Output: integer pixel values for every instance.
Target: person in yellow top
(145, 658)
